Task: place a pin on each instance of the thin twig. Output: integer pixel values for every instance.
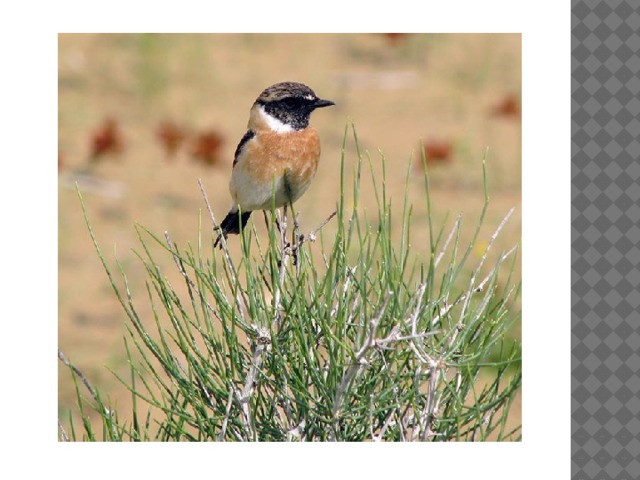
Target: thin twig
(359, 361)
(84, 380)
(206, 201)
(394, 412)
(456, 224)
(311, 236)
(499, 262)
(482, 260)
(262, 343)
(173, 247)
(388, 422)
(295, 237)
(286, 251)
(420, 353)
(428, 414)
(63, 435)
(414, 318)
(371, 432)
(345, 289)
(78, 373)
(286, 405)
(249, 385)
(394, 337)
(256, 361)
(437, 367)
(227, 257)
(227, 412)
(296, 432)
(477, 289)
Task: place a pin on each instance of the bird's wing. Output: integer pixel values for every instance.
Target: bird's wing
(247, 136)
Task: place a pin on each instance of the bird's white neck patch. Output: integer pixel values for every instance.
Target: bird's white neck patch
(273, 123)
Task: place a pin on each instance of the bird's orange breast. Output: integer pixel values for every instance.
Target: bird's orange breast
(270, 155)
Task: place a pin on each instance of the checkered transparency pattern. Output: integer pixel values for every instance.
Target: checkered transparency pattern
(605, 256)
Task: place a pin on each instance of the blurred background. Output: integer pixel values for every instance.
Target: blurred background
(142, 116)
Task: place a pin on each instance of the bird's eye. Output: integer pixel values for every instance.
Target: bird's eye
(291, 103)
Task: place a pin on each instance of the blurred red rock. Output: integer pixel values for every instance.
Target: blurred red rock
(508, 106)
(206, 147)
(395, 38)
(436, 152)
(106, 140)
(171, 136)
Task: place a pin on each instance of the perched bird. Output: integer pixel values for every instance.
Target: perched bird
(277, 158)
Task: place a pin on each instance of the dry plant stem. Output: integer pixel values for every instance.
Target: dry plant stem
(417, 349)
(428, 413)
(414, 318)
(63, 434)
(437, 367)
(456, 224)
(396, 412)
(465, 305)
(358, 363)
(250, 380)
(281, 421)
(479, 288)
(295, 237)
(81, 376)
(247, 390)
(286, 252)
(345, 289)
(225, 250)
(490, 244)
(205, 391)
(399, 415)
(484, 281)
(426, 418)
(312, 235)
(206, 201)
(293, 431)
(227, 412)
(77, 372)
(296, 432)
(223, 241)
(485, 421)
(192, 286)
(371, 432)
(390, 418)
(388, 421)
(394, 337)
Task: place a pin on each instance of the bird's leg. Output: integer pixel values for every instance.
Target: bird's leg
(296, 238)
(285, 247)
(279, 223)
(283, 232)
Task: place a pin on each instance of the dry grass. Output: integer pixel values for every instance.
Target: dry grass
(438, 88)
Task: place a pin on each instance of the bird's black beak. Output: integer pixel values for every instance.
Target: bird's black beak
(319, 103)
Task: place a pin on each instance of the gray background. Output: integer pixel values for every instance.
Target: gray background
(605, 240)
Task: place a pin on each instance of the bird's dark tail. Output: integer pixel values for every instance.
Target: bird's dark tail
(232, 223)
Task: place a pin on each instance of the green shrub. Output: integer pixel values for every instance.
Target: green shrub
(350, 339)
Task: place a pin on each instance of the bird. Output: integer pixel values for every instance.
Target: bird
(277, 157)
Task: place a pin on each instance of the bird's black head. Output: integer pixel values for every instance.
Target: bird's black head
(291, 103)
